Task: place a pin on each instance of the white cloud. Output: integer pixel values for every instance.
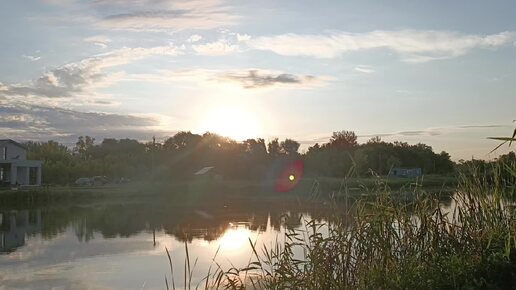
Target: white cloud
(98, 40)
(194, 38)
(412, 45)
(31, 57)
(79, 78)
(168, 15)
(216, 48)
(243, 37)
(22, 120)
(59, 2)
(364, 69)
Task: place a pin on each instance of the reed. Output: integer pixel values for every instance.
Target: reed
(388, 244)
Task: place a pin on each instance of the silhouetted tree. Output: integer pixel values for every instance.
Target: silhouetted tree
(82, 146)
(343, 139)
(182, 140)
(181, 155)
(289, 147)
(274, 148)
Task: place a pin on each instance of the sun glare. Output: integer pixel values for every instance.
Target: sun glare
(235, 238)
(233, 122)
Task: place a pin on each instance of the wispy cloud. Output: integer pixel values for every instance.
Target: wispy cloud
(36, 110)
(253, 78)
(364, 69)
(482, 126)
(194, 38)
(437, 131)
(168, 15)
(426, 132)
(22, 120)
(99, 40)
(216, 48)
(31, 57)
(75, 79)
(242, 37)
(411, 45)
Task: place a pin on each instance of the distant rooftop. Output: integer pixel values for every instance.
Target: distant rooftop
(204, 170)
(13, 142)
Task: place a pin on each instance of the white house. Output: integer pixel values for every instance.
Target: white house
(408, 172)
(15, 169)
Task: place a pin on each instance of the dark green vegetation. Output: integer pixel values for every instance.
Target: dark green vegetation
(185, 153)
(388, 244)
(374, 234)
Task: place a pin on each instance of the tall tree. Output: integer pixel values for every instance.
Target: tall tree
(289, 147)
(182, 140)
(273, 147)
(83, 145)
(343, 139)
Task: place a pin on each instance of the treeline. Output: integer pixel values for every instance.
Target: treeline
(503, 169)
(181, 155)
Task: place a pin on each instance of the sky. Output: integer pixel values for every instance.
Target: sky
(435, 72)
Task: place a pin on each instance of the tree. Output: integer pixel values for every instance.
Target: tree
(289, 147)
(313, 149)
(182, 140)
(343, 139)
(255, 147)
(375, 140)
(360, 160)
(274, 148)
(83, 145)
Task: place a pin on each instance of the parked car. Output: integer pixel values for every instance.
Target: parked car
(84, 181)
(100, 180)
(123, 180)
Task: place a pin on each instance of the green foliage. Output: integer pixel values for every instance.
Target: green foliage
(185, 153)
(289, 147)
(342, 153)
(499, 171)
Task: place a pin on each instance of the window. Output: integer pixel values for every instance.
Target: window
(4, 153)
(33, 175)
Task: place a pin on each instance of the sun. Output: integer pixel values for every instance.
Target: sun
(237, 123)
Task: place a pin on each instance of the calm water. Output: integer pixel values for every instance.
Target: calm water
(122, 246)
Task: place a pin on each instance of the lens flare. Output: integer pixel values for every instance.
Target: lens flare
(290, 176)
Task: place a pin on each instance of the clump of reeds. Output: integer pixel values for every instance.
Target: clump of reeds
(385, 244)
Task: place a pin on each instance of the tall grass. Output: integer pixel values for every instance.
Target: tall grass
(385, 244)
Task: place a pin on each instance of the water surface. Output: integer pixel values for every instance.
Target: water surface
(114, 245)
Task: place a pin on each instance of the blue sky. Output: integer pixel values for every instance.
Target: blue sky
(416, 71)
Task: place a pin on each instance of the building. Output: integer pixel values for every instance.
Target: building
(15, 169)
(406, 172)
(205, 171)
(15, 226)
(208, 173)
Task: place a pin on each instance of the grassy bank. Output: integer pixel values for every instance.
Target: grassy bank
(190, 190)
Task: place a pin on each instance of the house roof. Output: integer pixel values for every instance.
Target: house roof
(204, 170)
(3, 141)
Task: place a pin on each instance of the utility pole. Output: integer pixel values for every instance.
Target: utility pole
(152, 177)
(152, 156)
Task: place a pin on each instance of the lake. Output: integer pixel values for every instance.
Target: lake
(121, 245)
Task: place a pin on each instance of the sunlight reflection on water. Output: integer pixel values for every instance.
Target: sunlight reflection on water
(97, 249)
